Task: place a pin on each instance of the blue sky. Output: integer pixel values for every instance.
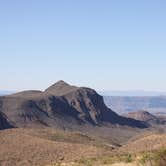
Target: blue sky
(103, 44)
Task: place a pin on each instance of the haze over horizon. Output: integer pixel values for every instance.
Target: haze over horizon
(105, 45)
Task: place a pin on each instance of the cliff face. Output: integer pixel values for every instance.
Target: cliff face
(4, 123)
(61, 105)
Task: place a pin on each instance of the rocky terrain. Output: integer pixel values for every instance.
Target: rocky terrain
(61, 106)
(4, 123)
(71, 126)
(146, 117)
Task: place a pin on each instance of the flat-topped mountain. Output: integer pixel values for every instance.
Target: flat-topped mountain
(63, 106)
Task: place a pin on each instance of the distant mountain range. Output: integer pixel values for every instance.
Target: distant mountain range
(135, 93)
(123, 104)
(5, 92)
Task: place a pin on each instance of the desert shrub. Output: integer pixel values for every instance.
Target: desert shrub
(147, 159)
(128, 158)
(106, 160)
(160, 157)
(87, 162)
(156, 158)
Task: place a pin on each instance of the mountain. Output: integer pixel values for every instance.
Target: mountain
(61, 106)
(146, 117)
(122, 104)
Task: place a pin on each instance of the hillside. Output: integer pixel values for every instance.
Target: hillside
(46, 146)
(52, 147)
(61, 106)
(145, 142)
(146, 117)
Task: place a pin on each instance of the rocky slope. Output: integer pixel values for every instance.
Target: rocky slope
(62, 106)
(146, 117)
(4, 123)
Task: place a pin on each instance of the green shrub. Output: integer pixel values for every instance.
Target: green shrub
(128, 158)
(156, 158)
(160, 157)
(86, 162)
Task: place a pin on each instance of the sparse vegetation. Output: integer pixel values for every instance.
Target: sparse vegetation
(87, 162)
(106, 160)
(156, 158)
(146, 158)
(160, 157)
(54, 147)
(128, 158)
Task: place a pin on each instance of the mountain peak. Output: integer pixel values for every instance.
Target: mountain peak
(61, 82)
(60, 88)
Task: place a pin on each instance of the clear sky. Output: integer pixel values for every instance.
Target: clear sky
(103, 44)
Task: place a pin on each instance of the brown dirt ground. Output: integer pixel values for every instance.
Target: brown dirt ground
(24, 147)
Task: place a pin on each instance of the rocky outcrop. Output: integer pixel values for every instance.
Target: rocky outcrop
(61, 105)
(145, 117)
(4, 122)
